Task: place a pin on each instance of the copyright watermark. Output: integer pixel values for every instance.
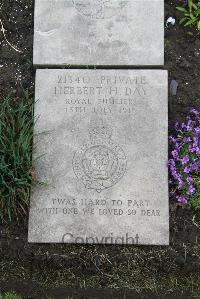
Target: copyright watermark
(125, 239)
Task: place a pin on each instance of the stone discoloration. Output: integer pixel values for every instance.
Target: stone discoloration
(99, 9)
(114, 32)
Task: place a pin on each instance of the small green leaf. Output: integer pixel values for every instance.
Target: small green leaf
(182, 20)
(190, 22)
(182, 9)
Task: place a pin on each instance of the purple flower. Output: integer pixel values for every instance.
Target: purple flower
(177, 125)
(171, 162)
(172, 139)
(172, 193)
(174, 173)
(176, 176)
(172, 166)
(183, 126)
(196, 141)
(189, 180)
(189, 127)
(173, 170)
(187, 170)
(182, 199)
(177, 146)
(196, 112)
(192, 149)
(188, 117)
(175, 154)
(197, 130)
(195, 166)
(191, 190)
(198, 152)
(180, 184)
(185, 160)
(187, 139)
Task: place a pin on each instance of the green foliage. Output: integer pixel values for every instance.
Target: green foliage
(13, 295)
(16, 132)
(69, 297)
(191, 14)
(195, 199)
(10, 295)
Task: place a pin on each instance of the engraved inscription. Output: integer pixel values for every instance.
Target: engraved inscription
(100, 163)
(99, 9)
(106, 95)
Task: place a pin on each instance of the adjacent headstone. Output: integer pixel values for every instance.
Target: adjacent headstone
(100, 155)
(99, 32)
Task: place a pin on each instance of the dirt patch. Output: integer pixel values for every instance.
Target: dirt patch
(16, 66)
(163, 270)
(182, 59)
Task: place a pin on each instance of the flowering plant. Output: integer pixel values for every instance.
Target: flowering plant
(184, 162)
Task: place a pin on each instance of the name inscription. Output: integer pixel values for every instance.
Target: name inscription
(109, 94)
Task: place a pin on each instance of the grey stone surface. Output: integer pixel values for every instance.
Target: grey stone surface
(99, 32)
(101, 154)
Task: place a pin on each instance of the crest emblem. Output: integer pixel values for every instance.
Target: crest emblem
(99, 9)
(99, 163)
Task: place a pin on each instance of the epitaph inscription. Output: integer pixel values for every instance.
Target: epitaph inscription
(100, 154)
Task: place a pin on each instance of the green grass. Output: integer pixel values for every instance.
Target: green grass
(190, 14)
(16, 132)
(10, 295)
(195, 199)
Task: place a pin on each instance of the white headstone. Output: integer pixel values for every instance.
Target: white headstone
(99, 32)
(101, 157)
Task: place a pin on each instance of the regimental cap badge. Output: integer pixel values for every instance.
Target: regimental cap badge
(99, 9)
(98, 129)
(100, 163)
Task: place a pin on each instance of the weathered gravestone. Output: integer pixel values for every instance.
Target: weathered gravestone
(99, 32)
(101, 156)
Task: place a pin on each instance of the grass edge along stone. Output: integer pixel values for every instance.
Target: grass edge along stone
(16, 133)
